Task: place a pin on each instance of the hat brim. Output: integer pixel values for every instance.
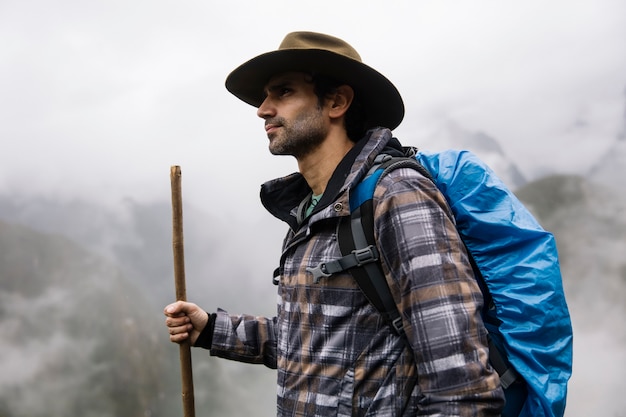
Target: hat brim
(380, 98)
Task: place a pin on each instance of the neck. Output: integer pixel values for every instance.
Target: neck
(318, 166)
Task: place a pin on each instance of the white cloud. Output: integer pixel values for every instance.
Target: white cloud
(103, 97)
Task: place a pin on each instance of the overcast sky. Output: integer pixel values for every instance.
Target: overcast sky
(102, 97)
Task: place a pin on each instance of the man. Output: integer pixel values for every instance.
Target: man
(334, 353)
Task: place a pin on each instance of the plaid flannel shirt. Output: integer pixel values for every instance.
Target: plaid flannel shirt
(334, 354)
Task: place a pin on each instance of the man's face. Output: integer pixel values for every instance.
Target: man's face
(295, 123)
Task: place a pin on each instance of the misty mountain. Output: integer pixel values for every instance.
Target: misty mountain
(137, 236)
(134, 238)
(82, 288)
(609, 170)
(589, 223)
(77, 338)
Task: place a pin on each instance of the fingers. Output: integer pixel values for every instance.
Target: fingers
(179, 334)
(184, 321)
(178, 323)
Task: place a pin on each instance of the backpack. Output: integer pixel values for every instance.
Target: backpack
(515, 262)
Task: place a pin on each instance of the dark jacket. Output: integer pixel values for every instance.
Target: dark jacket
(334, 354)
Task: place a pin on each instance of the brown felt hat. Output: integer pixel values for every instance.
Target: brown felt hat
(327, 55)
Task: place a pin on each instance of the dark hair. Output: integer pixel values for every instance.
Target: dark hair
(356, 118)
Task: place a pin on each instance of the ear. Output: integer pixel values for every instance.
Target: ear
(340, 101)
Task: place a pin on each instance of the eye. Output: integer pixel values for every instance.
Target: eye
(284, 91)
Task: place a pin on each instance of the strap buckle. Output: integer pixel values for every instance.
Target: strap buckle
(365, 255)
(319, 272)
(397, 325)
(356, 258)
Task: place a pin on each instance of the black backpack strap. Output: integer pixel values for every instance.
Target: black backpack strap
(357, 233)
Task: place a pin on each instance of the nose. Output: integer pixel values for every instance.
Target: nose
(266, 109)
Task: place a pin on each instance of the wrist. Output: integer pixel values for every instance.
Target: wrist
(205, 339)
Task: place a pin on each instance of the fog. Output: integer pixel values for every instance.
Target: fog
(99, 99)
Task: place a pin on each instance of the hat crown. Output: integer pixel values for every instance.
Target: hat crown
(321, 54)
(319, 41)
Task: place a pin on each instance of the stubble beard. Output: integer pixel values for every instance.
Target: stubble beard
(299, 137)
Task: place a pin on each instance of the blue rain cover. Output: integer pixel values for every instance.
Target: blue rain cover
(519, 262)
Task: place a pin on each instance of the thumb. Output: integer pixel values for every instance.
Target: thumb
(177, 308)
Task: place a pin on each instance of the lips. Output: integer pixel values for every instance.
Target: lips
(270, 127)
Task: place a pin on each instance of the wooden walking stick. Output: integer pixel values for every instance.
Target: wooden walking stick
(181, 291)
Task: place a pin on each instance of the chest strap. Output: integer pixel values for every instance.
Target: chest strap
(356, 258)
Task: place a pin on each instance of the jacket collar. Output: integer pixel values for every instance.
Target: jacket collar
(282, 196)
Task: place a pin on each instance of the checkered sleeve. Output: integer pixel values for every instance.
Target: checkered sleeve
(245, 338)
